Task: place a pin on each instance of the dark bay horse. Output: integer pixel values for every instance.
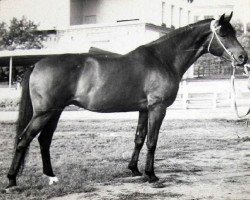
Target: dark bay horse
(145, 80)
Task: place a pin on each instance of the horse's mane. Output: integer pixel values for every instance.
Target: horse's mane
(179, 31)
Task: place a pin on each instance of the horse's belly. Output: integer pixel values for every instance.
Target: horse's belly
(100, 103)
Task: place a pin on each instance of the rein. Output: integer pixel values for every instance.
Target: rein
(234, 95)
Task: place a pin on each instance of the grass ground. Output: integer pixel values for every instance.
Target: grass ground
(195, 159)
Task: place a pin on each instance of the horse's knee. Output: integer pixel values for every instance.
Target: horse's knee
(21, 146)
(151, 147)
(139, 141)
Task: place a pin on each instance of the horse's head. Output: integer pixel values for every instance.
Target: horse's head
(223, 41)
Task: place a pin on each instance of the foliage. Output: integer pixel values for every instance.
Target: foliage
(9, 104)
(21, 34)
(3, 33)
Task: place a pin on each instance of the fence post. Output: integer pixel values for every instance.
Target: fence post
(10, 71)
(185, 94)
(215, 100)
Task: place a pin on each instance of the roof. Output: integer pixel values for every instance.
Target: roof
(30, 57)
(162, 29)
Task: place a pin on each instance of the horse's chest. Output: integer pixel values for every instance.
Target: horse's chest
(171, 93)
(163, 91)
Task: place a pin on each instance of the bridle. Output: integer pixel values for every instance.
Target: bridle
(214, 28)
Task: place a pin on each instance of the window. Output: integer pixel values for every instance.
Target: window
(180, 17)
(208, 16)
(76, 10)
(172, 15)
(196, 18)
(189, 14)
(90, 19)
(163, 12)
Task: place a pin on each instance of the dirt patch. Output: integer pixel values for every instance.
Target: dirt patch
(195, 159)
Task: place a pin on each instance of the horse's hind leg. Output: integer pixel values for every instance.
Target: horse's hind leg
(44, 139)
(140, 136)
(34, 127)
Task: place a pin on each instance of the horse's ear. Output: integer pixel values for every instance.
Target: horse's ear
(225, 19)
(228, 18)
(221, 20)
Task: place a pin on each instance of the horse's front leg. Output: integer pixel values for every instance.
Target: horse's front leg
(140, 136)
(156, 115)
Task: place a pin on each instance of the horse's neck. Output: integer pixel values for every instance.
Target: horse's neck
(182, 50)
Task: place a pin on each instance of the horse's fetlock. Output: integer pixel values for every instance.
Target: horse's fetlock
(149, 173)
(11, 176)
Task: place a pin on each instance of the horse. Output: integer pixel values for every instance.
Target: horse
(145, 80)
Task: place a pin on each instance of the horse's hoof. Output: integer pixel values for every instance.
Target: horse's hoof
(152, 178)
(12, 183)
(135, 171)
(10, 189)
(53, 180)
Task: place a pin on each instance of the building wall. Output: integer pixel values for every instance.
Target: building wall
(179, 13)
(213, 11)
(110, 11)
(61, 13)
(120, 38)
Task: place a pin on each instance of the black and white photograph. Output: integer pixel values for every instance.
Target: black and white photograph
(125, 99)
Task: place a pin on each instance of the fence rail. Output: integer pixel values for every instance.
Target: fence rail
(192, 94)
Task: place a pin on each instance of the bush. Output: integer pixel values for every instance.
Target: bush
(9, 104)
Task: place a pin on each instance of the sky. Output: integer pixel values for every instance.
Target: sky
(241, 9)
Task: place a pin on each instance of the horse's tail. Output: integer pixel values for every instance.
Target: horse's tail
(25, 111)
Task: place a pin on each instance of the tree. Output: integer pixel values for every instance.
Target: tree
(21, 34)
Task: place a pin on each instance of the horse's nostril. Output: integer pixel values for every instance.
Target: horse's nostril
(241, 57)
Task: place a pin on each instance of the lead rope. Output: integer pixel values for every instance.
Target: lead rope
(214, 29)
(234, 99)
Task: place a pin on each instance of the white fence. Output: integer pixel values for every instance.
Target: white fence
(213, 94)
(192, 94)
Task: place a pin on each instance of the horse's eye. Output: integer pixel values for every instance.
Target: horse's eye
(222, 34)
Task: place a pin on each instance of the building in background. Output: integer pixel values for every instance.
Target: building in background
(115, 25)
(203, 9)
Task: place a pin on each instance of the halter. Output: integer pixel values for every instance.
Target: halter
(214, 29)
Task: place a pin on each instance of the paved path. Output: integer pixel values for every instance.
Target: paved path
(225, 113)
